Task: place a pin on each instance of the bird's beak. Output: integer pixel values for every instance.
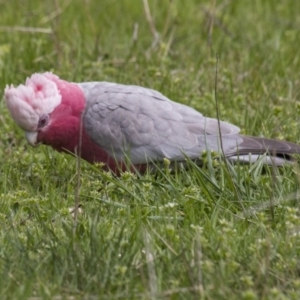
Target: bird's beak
(31, 137)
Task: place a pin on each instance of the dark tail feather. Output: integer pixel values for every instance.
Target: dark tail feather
(252, 148)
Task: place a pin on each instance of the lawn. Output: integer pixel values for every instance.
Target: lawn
(216, 232)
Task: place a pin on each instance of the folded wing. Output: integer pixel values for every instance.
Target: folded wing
(145, 125)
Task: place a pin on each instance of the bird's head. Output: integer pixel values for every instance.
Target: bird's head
(47, 108)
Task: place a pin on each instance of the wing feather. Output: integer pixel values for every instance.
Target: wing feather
(145, 123)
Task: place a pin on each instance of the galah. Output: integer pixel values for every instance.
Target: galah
(115, 123)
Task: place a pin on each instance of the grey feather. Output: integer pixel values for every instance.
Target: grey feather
(145, 125)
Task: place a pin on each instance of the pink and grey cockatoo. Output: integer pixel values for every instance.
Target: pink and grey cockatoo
(121, 122)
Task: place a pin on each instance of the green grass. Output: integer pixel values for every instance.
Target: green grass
(203, 233)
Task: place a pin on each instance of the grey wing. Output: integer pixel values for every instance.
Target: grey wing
(145, 125)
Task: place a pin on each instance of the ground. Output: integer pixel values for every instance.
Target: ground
(217, 232)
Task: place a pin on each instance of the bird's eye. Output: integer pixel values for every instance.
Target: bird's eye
(43, 121)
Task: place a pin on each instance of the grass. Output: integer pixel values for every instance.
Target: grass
(196, 234)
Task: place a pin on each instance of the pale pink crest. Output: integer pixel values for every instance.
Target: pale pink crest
(28, 102)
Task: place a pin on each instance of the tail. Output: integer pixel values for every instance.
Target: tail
(276, 152)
